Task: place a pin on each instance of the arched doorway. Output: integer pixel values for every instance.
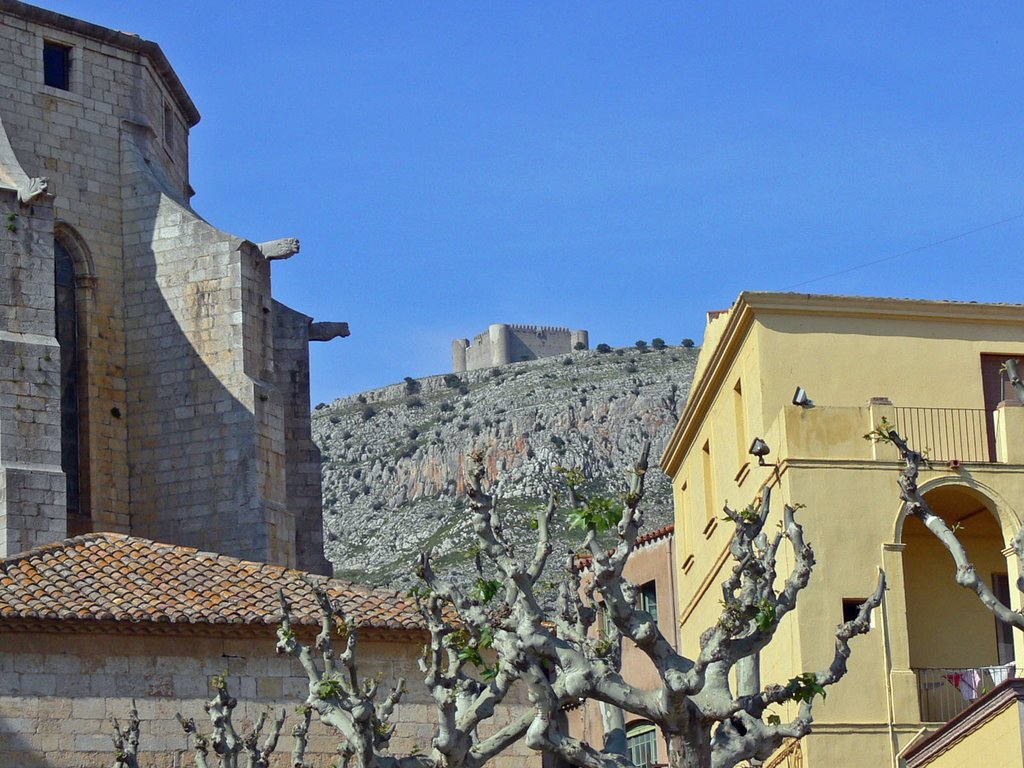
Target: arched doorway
(958, 650)
(70, 265)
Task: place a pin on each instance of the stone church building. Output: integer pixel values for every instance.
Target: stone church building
(158, 480)
(150, 385)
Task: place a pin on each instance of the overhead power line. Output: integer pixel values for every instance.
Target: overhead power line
(918, 249)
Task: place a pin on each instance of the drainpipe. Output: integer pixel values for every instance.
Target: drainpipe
(672, 587)
(890, 704)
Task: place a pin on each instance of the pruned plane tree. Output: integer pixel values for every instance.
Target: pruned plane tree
(706, 719)
(502, 631)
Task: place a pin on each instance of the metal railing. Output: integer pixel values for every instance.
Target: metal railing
(946, 692)
(946, 434)
(790, 756)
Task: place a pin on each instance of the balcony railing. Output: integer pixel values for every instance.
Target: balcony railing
(790, 756)
(947, 434)
(945, 693)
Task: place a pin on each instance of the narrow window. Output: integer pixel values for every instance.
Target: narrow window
(57, 65)
(649, 599)
(741, 424)
(682, 511)
(1004, 632)
(709, 491)
(605, 618)
(996, 388)
(643, 744)
(66, 322)
(168, 127)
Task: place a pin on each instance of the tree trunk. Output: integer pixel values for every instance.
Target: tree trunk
(614, 722)
(690, 750)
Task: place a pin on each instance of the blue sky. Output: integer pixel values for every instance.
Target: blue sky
(616, 167)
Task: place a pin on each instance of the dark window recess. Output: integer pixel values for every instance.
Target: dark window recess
(851, 607)
(67, 338)
(168, 127)
(995, 389)
(607, 625)
(1004, 632)
(649, 599)
(57, 66)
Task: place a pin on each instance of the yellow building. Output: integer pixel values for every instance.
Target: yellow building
(932, 369)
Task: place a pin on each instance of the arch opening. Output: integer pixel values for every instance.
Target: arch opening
(69, 325)
(958, 649)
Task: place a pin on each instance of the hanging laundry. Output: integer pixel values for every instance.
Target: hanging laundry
(968, 681)
(1000, 673)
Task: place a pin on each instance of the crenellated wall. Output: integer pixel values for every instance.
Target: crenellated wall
(502, 344)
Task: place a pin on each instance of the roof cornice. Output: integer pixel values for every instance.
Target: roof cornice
(739, 320)
(122, 40)
(751, 303)
(868, 306)
(87, 626)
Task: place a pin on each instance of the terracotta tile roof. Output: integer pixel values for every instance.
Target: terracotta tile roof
(110, 577)
(658, 533)
(583, 560)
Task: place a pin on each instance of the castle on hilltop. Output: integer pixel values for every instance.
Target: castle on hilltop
(501, 344)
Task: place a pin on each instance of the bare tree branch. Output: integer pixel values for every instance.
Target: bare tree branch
(126, 740)
(705, 722)
(917, 505)
(340, 697)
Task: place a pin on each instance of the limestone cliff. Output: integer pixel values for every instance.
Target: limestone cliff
(393, 457)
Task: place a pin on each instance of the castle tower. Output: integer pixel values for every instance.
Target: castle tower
(499, 335)
(459, 355)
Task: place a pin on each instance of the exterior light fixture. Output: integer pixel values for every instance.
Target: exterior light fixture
(800, 398)
(760, 449)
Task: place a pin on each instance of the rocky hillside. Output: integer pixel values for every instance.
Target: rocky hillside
(393, 457)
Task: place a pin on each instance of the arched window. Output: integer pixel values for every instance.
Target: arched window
(67, 312)
(958, 650)
(642, 738)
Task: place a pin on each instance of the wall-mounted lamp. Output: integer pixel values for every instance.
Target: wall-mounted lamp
(760, 449)
(800, 398)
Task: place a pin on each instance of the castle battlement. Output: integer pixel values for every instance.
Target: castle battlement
(538, 328)
(504, 343)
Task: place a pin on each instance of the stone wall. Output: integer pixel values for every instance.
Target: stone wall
(302, 457)
(502, 344)
(59, 691)
(183, 422)
(31, 481)
(531, 342)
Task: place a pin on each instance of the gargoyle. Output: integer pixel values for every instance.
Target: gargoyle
(283, 248)
(327, 331)
(34, 189)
